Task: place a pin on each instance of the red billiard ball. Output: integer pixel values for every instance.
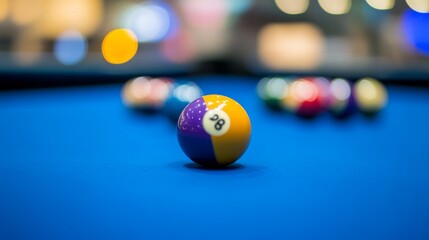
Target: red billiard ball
(304, 98)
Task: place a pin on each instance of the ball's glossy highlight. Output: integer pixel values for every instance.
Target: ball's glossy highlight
(214, 130)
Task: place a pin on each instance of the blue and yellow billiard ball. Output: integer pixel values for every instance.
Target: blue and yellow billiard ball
(214, 131)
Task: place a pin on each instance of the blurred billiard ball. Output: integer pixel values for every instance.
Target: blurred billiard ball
(371, 95)
(304, 98)
(144, 93)
(272, 91)
(342, 100)
(324, 88)
(183, 93)
(214, 131)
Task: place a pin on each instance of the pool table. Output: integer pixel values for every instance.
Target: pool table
(76, 164)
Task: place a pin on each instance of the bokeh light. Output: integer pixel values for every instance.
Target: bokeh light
(336, 7)
(381, 4)
(151, 22)
(297, 46)
(239, 6)
(414, 26)
(4, 9)
(179, 48)
(293, 6)
(119, 46)
(70, 48)
(421, 6)
(207, 14)
(27, 49)
(83, 16)
(24, 12)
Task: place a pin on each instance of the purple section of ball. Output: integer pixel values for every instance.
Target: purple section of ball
(193, 139)
(191, 119)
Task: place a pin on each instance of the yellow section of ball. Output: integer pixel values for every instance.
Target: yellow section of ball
(229, 146)
(119, 46)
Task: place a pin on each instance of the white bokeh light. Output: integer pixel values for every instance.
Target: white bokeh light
(150, 22)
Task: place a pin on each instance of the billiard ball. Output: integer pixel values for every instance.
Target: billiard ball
(214, 130)
(304, 98)
(324, 88)
(371, 95)
(272, 90)
(144, 93)
(183, 93)
(342, 100)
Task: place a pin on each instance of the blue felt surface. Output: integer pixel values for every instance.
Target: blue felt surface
(76, 164)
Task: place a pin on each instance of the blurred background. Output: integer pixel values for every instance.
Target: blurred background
(386, 39)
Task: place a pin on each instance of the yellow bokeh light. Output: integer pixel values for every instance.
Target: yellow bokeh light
(335, 7)
(381, 4)
(419, 5)
(83, 16)
(297, 46)
(4, 9)
(119, 46)
(293, 7)
(24, 12)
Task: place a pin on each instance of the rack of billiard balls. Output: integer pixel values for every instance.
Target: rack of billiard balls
(160, 94)
(310, 96)
(215, 130)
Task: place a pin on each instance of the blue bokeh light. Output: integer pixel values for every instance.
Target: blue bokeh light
(415, 27)
(70, 48)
